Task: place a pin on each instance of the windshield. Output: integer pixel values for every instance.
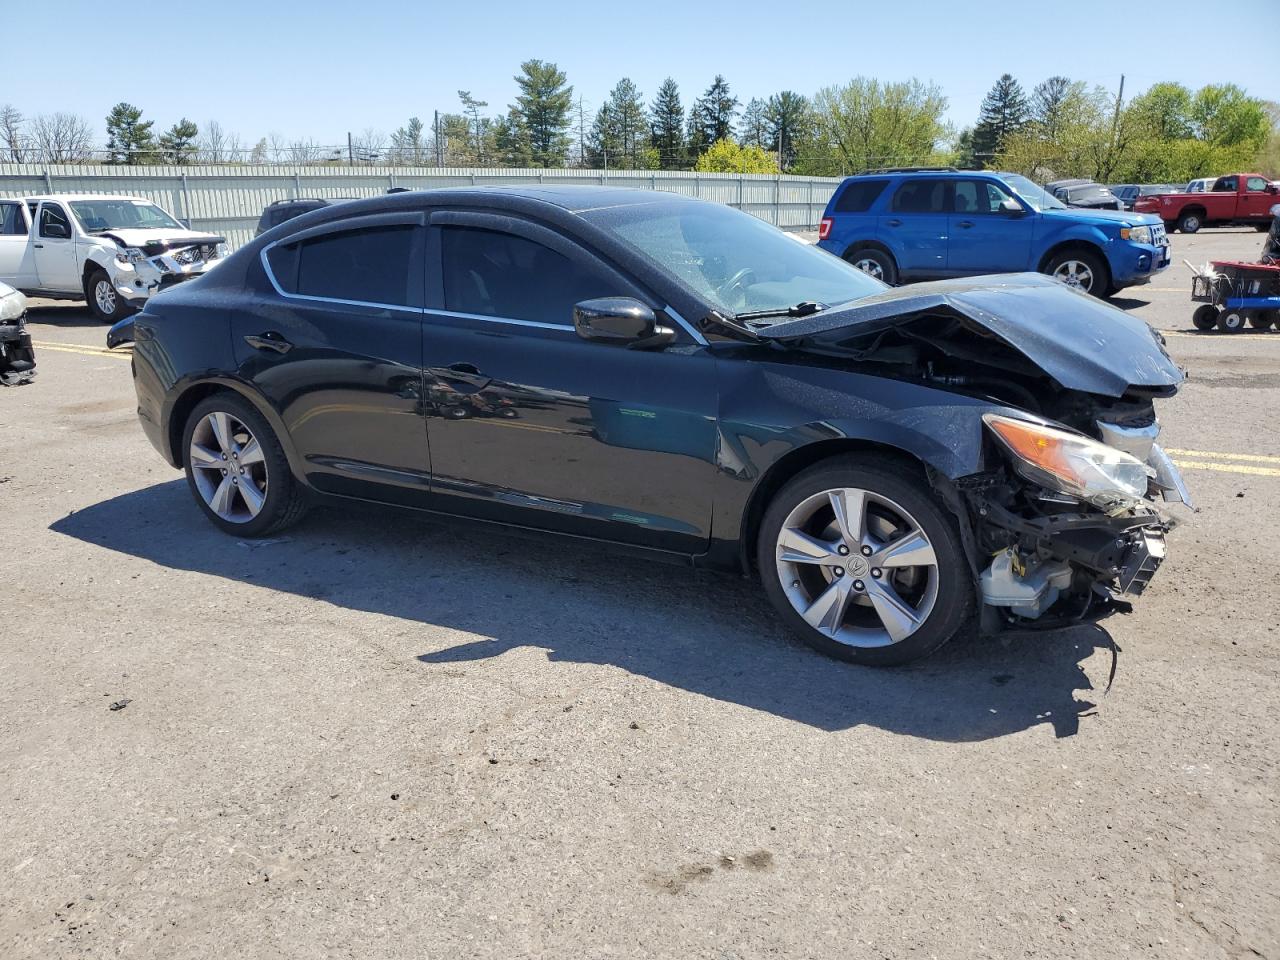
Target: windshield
(96, 216)
(731, 259)
(1090, 193)
(1036, 196)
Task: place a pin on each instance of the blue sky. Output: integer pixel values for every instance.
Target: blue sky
(323, 67)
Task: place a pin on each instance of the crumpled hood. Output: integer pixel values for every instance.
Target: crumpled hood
(1079, 341)
(159, 240)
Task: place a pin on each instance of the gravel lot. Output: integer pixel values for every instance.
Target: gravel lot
(378, 737)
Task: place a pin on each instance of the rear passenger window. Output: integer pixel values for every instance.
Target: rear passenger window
(12, 222)
(921, 196)
(494, 274)
(372, 265)
(859, 195)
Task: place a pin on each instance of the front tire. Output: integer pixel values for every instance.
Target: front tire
(237, 470)
(1205, 317)
(1081, 269)
(105, 302)
(861, 560)
(875, 263)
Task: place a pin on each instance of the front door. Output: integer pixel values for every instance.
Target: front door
(1256, 201)
(17, 260)
(915, 227)
(55, 249)
(336, 349)
(530, 424)
(983, 237)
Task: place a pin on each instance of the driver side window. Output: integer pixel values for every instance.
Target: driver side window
(492, 274)
(1256, 185)
(51, 216)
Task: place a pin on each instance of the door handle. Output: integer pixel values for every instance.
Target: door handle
(966, 224)
(468, 368)
(462, 375)
(269, 341)
(38, 246)
(895, 222)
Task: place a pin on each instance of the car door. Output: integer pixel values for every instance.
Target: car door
(1256, 201)
(334, 344)
(55, 249)
(530, 424)
(915, 227)
(17, 256)
(984, 238)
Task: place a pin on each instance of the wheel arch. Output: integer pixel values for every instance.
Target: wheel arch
(1080, 244)
(857, 245)
(186, 401)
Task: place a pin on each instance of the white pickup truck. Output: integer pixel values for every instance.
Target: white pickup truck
(113, 252)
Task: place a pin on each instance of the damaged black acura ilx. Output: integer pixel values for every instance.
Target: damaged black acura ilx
(684, 381)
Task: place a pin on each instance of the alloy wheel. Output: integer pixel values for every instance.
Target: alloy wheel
(869, 266)
(1075, 273)
(228, 467)
(857, 567)
(104, 295)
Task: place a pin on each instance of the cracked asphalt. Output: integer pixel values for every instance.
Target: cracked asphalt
(378, 737)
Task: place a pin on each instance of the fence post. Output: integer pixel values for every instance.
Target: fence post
(777, 201)
(697, 185)
(48, 180)
(186, 199)
(297, 184)
(742, 182)
(809, 213)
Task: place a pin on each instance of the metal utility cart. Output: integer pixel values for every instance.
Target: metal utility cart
(1233, 295)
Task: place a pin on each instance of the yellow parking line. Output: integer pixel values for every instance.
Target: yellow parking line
(1217, 455)
(1228, 468)
(84, 351)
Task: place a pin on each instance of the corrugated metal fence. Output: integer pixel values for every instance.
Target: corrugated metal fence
(229, 200)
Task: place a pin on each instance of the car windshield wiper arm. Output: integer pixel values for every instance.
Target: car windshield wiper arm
(731, 325)
(804, 308)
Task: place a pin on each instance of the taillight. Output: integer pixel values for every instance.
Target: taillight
(824, 228)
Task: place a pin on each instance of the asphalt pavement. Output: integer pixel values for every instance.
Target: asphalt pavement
(378, 737)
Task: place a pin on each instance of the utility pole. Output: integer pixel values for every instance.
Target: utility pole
(351, 154)
(439, 156)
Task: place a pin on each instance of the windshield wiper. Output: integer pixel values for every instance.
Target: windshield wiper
(804, 308)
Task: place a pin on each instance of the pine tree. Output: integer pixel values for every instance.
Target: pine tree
(129, 137)
(408, 143)
(620, 129)
(541, 113)
(178, 143)
(711, 119)
(787, 119)
(1004, 112)
(666, 126)
(753, 130)
(1047, 102)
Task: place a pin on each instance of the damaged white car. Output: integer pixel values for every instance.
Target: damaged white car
(113, 252)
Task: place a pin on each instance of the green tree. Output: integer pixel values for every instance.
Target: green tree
(726, 156)
(1050, 102)
(787, 117)
(1165, 110)
(479, 125)
(711, 118)
(1225, 115)
(753, 129)
(539, 119)
(865, 123)
(178, 143)
(408, 143)
(1004, 112)
(620, 133)
(129, 137)
(666, 126)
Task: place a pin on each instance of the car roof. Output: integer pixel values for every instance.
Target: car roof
(83, 196)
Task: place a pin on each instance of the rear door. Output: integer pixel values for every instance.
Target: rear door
(335, 345)
(55, 249)
(532, 425)
(915, 226)
(984, 238)
(17, 256)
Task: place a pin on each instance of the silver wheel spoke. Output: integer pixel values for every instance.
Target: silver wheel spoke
(913, 550)
(798, 547)
(251, 452)
(202, 458)
(223, 497)
(850, 507)
(827, 611)
(252, 496)
(221, 424)
(899, 619)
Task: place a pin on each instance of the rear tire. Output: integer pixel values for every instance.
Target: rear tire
(1205, 317)
(237, 446)
(1190, 222)
(1260, 319)
(919, 597)
(875, 263)
(105, 302)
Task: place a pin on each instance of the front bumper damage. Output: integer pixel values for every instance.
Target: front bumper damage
(139, 281)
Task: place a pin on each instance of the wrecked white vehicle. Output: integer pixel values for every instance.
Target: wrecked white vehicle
(17, 357)
(113, 252)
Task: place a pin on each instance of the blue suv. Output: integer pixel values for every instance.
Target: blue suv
(925, 224)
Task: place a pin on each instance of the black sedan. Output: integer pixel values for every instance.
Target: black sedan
(686, 382)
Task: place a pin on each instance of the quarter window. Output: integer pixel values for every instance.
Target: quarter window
(495, 274)
(1225, 185)
(370, 265)
(859, 195)
(921, 196)
(12, 222)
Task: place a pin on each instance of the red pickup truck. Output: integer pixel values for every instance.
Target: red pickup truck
(1235, 198)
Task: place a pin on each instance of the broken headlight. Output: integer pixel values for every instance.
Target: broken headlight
(130, 255)
(1069, 463)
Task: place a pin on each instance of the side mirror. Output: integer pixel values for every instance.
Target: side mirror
(56, 231)
(1012, 207)
(1273, 188)
(623, 321)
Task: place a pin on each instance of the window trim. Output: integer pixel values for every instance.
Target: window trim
(411, 219)
(61, 211)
